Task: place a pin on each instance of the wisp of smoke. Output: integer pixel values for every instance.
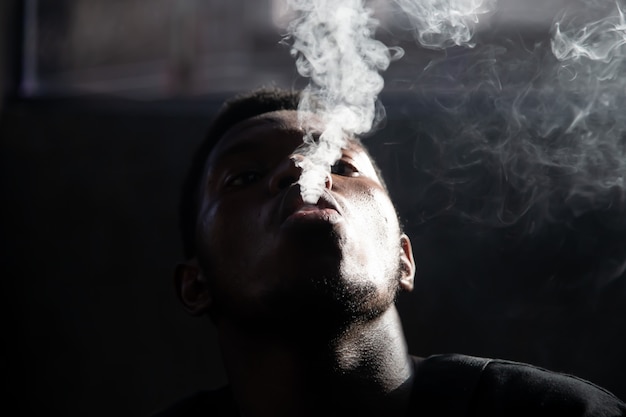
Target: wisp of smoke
(520, 131)
(332, 41)
(537, 133)
(439, 24)
(333, 45)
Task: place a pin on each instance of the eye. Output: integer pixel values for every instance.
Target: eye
(344, 168)
(242, 179)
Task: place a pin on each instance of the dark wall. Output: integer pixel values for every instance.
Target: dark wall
(89, 242)
(89, 245)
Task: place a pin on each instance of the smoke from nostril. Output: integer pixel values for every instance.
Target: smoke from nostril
(333, 45)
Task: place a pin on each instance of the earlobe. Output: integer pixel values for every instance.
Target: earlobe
(192, 288)
(407, 264)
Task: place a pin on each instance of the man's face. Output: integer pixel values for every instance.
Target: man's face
(268, 256)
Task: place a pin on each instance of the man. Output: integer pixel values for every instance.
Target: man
(302, 295)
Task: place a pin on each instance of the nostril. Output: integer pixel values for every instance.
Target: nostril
(329, 182)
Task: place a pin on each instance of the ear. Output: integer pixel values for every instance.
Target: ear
(407, 264)
(192, 288)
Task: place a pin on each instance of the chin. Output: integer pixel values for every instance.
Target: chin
(348, 299)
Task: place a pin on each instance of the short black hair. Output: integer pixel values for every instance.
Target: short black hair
(239, 108)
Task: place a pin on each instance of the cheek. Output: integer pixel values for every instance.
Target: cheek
(229, 232)
(377, 214)
(375, 228)
(208, 232)
(219, 234)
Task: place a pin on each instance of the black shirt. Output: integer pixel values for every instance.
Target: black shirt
(464, 386)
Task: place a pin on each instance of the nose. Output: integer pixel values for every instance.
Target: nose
(284, 175)
(328, 181)
(288, 172)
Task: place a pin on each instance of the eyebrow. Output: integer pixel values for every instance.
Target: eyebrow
(239, 148)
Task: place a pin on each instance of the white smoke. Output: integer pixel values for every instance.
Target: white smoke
(601, 41)
(532, 131)
(592, 69)
(334, 46)
(523, 129)
(440, 24)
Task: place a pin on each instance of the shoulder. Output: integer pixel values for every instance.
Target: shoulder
(218, 403)
(530, 388)
(470, 386)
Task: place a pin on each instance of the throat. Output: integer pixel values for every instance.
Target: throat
(366, 368)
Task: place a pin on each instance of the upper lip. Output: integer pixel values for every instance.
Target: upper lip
(292, 202)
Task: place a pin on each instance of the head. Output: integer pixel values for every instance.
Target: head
(257, 253)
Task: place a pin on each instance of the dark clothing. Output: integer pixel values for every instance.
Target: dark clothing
(465, 386)
(459, 385)
(215, 403)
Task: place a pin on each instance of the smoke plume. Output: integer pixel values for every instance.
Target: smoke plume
(333, 45)
(519, 131)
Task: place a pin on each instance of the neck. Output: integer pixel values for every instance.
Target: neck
(364, 368)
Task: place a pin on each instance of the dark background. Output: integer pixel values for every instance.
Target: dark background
(89, 240)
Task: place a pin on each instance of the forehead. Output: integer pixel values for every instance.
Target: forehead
(274, 129)
(281, 122)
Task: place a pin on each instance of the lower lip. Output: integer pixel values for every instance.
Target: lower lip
(312, 215)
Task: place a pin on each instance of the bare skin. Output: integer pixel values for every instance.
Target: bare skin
(302, 296)
(366, 371)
